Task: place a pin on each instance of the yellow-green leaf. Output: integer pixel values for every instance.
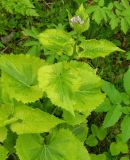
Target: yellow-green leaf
(19, 77)
(57, 41)
(71, 86)
(97, 48)
(60, 145)
(31, 120)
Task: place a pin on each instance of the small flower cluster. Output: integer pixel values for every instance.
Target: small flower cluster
(76, 19)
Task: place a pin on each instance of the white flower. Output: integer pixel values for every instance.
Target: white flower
(76, 19)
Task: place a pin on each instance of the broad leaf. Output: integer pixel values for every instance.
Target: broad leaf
(96, 48)
(3, 153)
(31, 120)
(89, 95)
(57, 41)
(58, 82)
(91, 141)
(61, 145)
(72, 86)
(24, 119)
(113, 94)
(116, 148)
(19, 77)
(100, 133)
(112, 116)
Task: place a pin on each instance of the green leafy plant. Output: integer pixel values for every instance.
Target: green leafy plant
(71, 89)
(24, 7)
(117, 147)
(97, 133)
(32, 42)
(116, 107)
(114, 13)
